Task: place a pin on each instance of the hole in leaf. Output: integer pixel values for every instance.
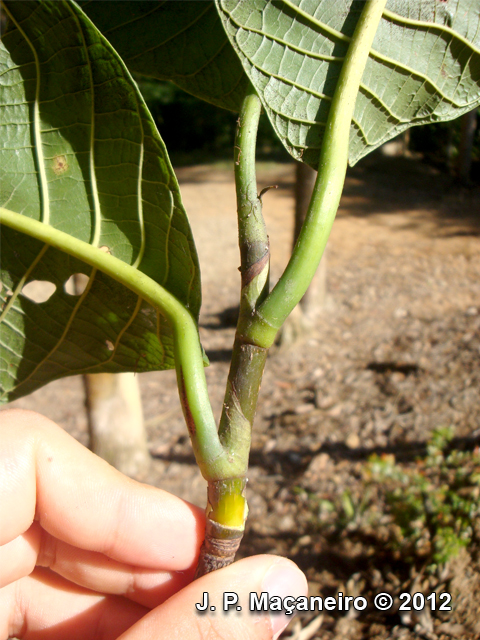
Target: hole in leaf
(39, 290)
(8, 292)
(76, 284)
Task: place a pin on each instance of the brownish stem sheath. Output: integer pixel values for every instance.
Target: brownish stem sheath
(218, 549)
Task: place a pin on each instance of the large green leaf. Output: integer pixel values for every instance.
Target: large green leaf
(179, 41)
(79, 151)
(424, 65)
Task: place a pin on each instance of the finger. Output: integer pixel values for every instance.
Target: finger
(19, 556)
(97, 572)
(179, 618)
(78, 498)
(45, 605)
(89, 569)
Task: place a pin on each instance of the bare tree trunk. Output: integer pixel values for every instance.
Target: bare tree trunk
(115, 416)
(399, 147)
(117, 431)
(464, 164)
(450, 148)
(303, 316)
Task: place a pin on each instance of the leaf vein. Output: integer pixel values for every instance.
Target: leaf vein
(36, 126)
(22, 281)
(420, 24)
(93, 180)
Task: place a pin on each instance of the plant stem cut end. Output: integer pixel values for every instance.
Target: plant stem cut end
(227, 504)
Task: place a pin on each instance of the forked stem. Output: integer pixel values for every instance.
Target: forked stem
(262, 314)
(223, 456)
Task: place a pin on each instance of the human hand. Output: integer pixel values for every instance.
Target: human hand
(86, 553)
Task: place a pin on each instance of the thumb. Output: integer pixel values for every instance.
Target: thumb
(237, 603)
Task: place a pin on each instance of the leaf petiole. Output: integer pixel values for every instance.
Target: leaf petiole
(262, 328)
(209, 452)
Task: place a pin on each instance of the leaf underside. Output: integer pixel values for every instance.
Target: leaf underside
(179, 41)
(424, 66)
(80, 152)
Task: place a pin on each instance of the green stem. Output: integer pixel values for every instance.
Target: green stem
(248, 361)
(211, 457)
(289, 290)
(227, 506)
(252, 232)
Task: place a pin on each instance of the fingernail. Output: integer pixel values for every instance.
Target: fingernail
(281, 580)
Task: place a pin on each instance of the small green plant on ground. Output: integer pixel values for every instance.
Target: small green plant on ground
(421, 514)
(87, 186)
(434, 506)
